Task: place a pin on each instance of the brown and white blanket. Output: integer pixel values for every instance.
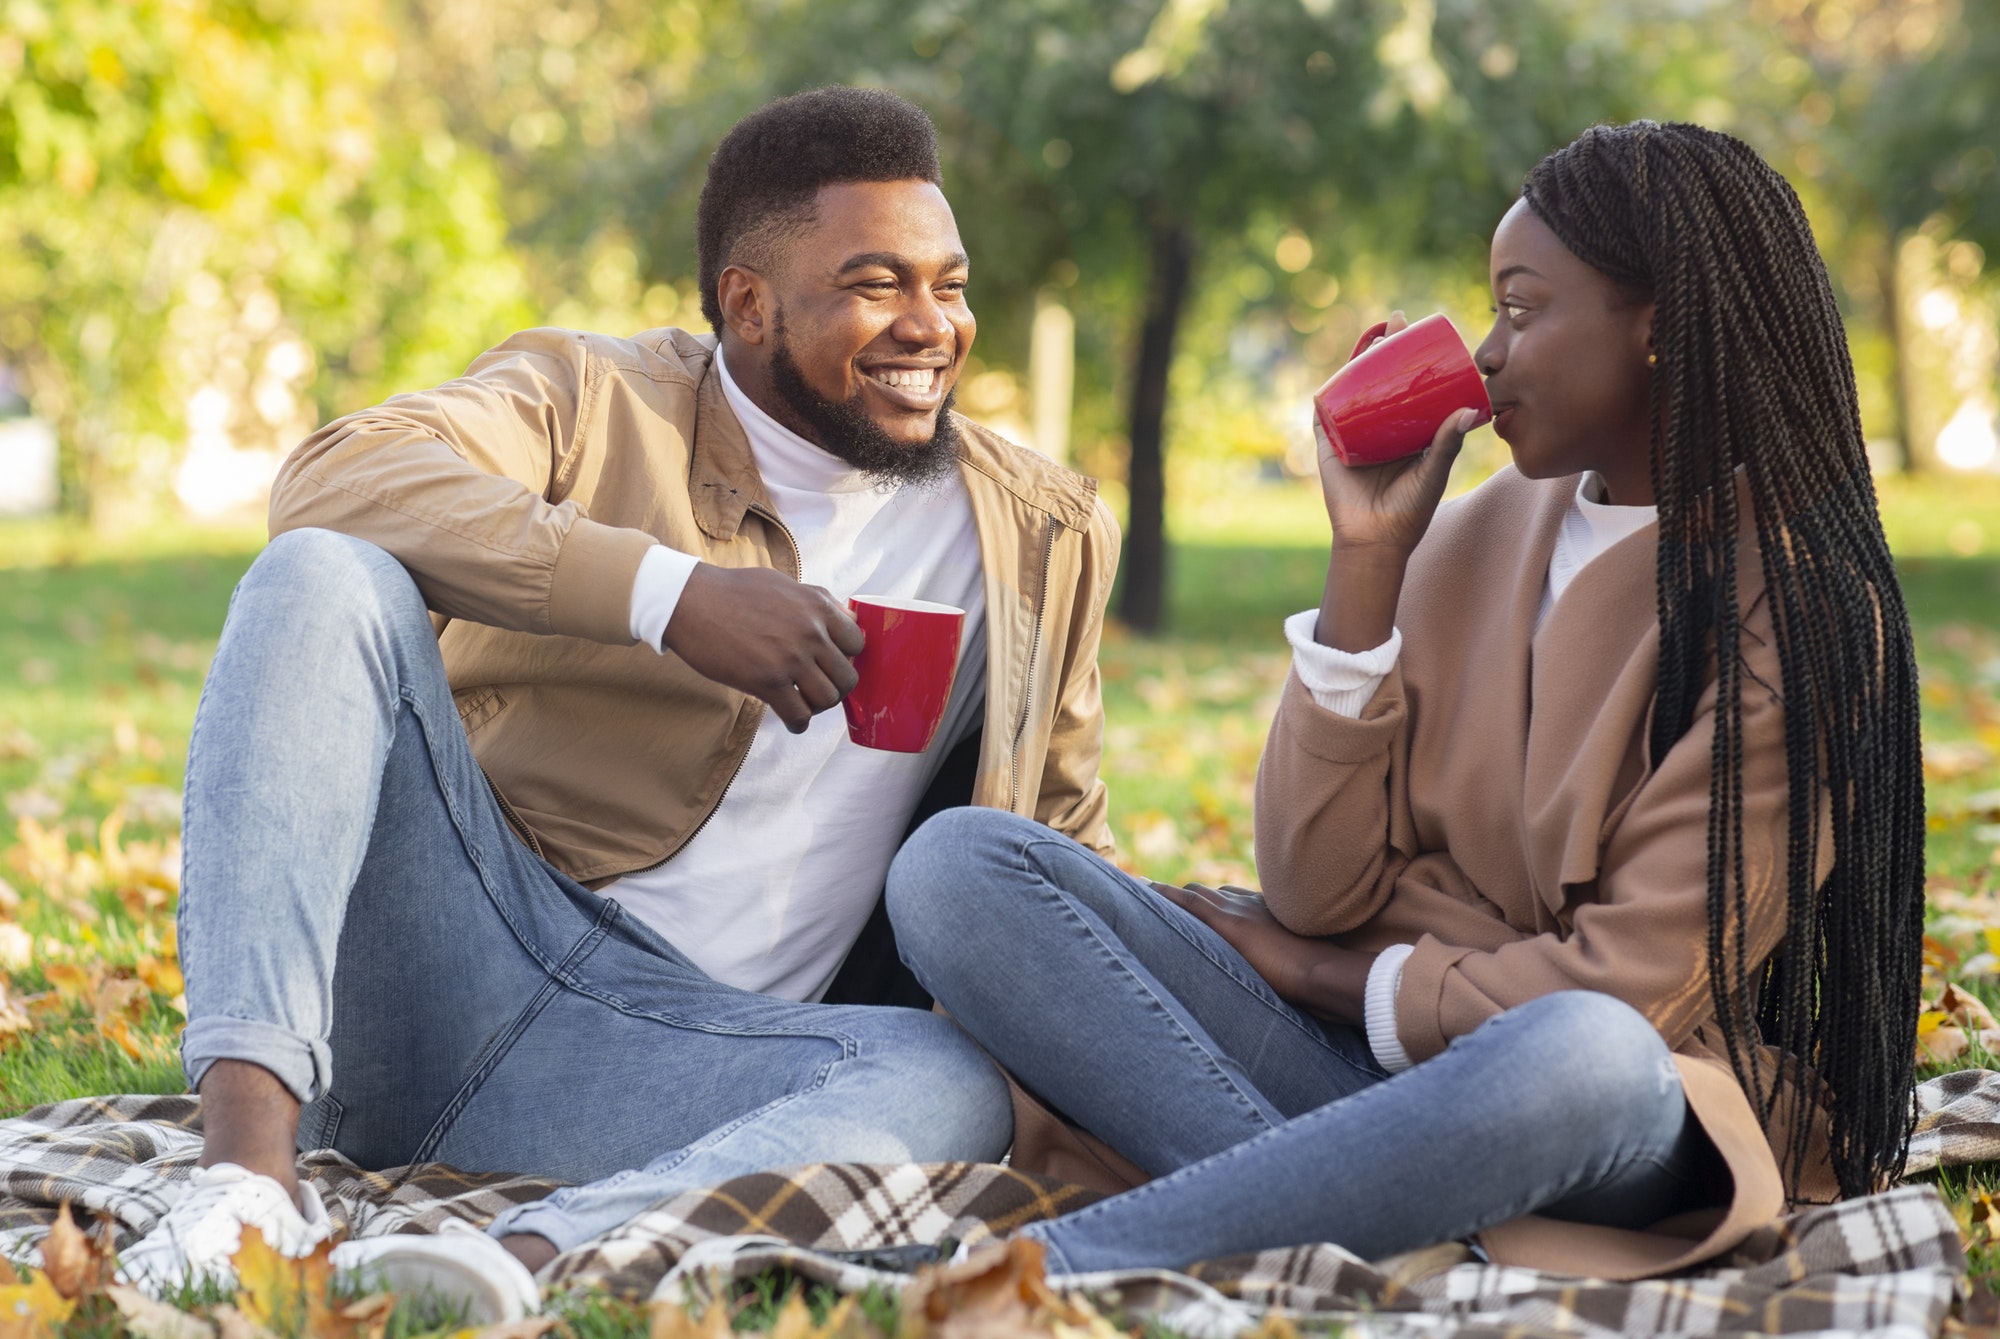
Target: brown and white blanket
(1890, 1264)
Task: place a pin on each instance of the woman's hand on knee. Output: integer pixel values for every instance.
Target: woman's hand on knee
(1317, 975)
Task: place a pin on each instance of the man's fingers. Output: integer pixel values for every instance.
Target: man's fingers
(842, 674)
(846, 633)
(790, 707)
(817, 690)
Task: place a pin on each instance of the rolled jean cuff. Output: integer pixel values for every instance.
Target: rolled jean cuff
(541, 1219)
(303, 1065)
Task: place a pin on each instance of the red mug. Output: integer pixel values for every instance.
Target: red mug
(1389, 399)
(906, 670)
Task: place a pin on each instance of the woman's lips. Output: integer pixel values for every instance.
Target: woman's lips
(1502, 415)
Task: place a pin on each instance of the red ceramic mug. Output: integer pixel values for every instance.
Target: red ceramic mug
(1389, 399)
(906, 671)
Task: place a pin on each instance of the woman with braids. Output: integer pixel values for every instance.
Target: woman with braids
(1590, 823)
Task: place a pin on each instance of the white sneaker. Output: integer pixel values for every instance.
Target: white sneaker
(196, 1238)
(459, 1265)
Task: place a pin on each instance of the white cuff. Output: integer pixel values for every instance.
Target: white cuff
(1379, 1007)
(1341, 681)
(656, 591)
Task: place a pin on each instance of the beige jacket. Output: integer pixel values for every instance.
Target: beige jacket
(1497, 807)
(522, 496)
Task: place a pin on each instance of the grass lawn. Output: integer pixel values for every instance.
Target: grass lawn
(104, 641)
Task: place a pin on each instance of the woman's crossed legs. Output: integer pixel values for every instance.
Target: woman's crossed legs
(1266, 1127)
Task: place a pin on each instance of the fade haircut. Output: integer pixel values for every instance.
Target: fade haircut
(768, 169)
(1753, 379)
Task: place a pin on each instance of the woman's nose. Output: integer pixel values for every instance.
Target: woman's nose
(1489, 357)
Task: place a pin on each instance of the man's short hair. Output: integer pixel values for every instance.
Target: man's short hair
(769, 167)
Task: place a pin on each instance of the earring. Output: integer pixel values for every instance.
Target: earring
(1652, 360)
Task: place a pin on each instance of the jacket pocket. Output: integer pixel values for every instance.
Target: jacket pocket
(477, 706)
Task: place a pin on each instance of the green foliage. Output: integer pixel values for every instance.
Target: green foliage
(246, 198)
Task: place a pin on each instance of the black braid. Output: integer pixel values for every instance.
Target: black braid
(1754, 377)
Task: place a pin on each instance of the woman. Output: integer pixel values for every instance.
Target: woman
(1590, 823)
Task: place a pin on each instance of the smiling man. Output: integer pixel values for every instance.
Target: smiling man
(516, 836)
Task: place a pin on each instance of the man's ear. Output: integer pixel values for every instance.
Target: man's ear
(746, 302)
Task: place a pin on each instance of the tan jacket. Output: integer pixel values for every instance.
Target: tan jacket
(1497, 807)
(522, 496)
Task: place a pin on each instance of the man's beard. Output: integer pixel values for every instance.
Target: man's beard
(845, 429)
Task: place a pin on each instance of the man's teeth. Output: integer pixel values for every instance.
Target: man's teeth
(910, 378)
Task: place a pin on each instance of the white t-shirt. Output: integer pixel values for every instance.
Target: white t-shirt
(770, 895)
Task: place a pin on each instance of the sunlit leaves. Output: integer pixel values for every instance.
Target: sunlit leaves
(188, 190)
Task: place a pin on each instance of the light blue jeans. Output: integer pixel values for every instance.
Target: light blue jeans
(1264, 1126)
(357, 918)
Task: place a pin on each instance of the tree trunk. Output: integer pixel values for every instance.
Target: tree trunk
(1902, 396)
(1142, 602)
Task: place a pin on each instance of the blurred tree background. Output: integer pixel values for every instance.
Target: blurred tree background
(222, 221)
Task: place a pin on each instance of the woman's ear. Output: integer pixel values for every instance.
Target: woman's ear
(1643, 323)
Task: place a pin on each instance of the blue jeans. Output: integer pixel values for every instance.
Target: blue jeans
(358, 918)
(1264, 1126)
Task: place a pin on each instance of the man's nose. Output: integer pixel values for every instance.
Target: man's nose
(922, 322)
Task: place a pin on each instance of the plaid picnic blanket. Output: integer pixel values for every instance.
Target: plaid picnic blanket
(1889, 1264)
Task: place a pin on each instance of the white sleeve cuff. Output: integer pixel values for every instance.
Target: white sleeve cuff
(1379, 1007)
(656, 592)
(1341, 681)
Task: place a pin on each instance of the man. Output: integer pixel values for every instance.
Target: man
(550, 879)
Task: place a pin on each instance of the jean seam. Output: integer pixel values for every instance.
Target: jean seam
(566, 1195)
(1258, 990)
(1062, 897)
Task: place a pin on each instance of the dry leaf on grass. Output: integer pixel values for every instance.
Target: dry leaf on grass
(148, 1319)
(33, 1310)
(531, 1327)
(997, 1294)
(370, 1315)
(233, 1324)
(75, 1262)
(1949, 1027)
(290, 1296)
(665, 1320)
(13, 1017)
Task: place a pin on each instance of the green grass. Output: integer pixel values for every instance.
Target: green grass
(104, 642)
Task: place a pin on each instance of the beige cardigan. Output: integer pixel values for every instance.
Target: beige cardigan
(1496, 806)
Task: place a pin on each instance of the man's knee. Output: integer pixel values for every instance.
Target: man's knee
(960, 1109)
(321, 574)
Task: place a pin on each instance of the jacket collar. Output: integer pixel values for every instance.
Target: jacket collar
(723, 482)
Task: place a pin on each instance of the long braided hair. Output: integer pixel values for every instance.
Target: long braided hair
(1753, 379)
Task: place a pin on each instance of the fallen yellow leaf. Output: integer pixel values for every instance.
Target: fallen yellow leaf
(285, 1294)
(72, 1261)
(32, 1310)
(529, 1327)
(161, 975)
(148, 1319)
(233, 1324)
(998, 1294)
(666, 1320)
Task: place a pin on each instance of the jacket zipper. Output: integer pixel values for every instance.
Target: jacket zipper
(798, 574)
(1034, 650)
(513, 819)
